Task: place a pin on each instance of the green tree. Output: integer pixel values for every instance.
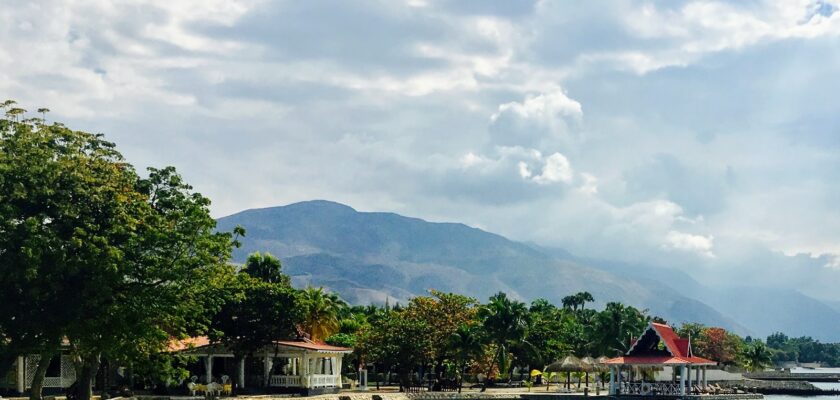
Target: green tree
(91, 252)
(464, 344)
(549, 334)
(756, 356)
(320, 313)
(777, 340)
(613, 327)
(266, 268)
(505, 323)
(571, 302)
(583, 298)
(398, 342)
(444, 313)
(255, 314)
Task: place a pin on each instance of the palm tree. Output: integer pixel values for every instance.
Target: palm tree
(15, 113)
(571, 302)
(43, 111)
(505, 323)
(583, 298)
(265, 267)
(464, 344)
(321, 310)
(756, 356)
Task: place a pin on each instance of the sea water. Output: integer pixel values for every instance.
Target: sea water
(821, 385)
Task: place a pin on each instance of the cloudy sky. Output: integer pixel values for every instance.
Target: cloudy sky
(698, 135)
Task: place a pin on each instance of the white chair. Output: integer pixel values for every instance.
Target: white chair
(191, 388)
(214, 388)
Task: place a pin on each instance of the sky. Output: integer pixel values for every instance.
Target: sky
(697, 135)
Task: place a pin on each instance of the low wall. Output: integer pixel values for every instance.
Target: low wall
(742, 396)
(787, 376)
(799, 388)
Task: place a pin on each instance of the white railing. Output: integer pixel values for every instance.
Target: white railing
(650, 389)
(285, 381)
(325, 381)
(53, 382)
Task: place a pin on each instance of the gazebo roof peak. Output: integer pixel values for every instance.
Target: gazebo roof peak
(659, 344)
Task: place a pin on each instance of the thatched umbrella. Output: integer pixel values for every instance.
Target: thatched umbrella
(569, 364)
(587, 365)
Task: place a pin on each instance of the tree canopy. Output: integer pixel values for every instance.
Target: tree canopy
(91, 252)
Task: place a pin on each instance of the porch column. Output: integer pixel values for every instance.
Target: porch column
(683, 371)
(612, 380)
(268, 362)
(240, 373)
(338, 370)
(208, 368)
(689, 379)
(306, 368)
(697, 375)
(20, 382)
(294, 366)
(705, 383)
(618, 377)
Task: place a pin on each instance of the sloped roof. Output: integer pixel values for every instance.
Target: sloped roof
(189, 343)
(313, 345)
(659, 360)
(305, 344)
(676, 345)
(676, 349)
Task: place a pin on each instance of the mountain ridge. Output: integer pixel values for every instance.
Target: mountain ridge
(372, 256)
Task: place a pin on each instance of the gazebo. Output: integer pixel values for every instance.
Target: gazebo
(300, 365)
(658, 346)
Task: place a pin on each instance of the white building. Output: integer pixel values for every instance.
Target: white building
(299, 365)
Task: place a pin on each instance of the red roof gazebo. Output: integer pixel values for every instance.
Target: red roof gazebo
(659, 346)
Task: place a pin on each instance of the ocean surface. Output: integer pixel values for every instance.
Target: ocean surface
(821, 385)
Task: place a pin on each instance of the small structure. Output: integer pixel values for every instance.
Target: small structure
(300, 365)
(59, 376)
(659, 346)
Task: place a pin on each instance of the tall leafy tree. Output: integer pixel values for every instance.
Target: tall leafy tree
(756, 356)
(444, 313)
(397, 342)
(583, 298)
(464, 344)
(320, 313)
(93, 253)
(260, 307)
(266, 268)
(505, 322)
(254, 315)
(613, 327)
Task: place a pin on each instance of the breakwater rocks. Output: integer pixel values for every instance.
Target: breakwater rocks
(787, 376)
(734, 396)
(798, 388)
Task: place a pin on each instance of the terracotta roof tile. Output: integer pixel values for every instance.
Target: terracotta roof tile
(201, 341)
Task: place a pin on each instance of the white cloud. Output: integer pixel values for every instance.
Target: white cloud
(470, 116)
(698, 244)
(556, 169)
(550, 109)
(544, 122)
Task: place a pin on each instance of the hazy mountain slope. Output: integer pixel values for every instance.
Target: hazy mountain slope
(763, 310)
(370, 256)
(772, 310)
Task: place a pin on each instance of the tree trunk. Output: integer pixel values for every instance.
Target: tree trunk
(462, 371)
(490, 369)
(38, 380)
(85, 376)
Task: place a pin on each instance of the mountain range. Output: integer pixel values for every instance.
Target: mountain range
(370, 257)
